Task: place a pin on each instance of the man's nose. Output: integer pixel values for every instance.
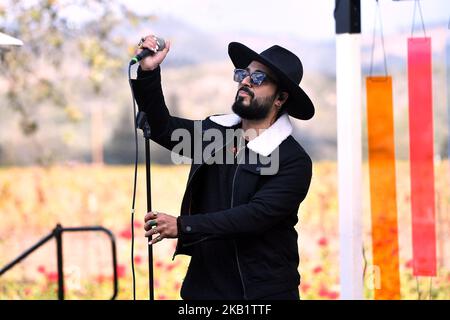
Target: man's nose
(246, 81)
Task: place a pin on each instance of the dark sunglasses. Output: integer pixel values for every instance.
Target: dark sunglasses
(256, 77)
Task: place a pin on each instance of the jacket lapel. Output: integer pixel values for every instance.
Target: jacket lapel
(267, 141)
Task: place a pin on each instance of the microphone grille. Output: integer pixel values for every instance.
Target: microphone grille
(161, 43)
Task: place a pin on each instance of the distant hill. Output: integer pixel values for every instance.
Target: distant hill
(197, 80)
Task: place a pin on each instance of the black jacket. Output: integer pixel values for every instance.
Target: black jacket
(263, 211)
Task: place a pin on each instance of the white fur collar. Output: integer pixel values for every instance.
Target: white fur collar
(268, 140)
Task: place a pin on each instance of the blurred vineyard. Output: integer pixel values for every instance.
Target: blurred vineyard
(34, 199)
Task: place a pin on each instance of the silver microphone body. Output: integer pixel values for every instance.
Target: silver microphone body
(147, 52)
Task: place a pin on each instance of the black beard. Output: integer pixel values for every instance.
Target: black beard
(257, 110)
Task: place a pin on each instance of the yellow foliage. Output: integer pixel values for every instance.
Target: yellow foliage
(34, 199)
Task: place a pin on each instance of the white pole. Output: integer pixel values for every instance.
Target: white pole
(348, 88)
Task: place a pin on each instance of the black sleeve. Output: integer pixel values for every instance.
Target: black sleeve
(149, 96)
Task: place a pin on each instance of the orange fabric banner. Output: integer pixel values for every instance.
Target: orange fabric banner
(380, 127)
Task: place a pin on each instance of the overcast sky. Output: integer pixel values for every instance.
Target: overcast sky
(305, 18)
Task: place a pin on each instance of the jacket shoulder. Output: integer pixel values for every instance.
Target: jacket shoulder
(292, 144)
(208, 123)
(293, 150)
(219, 121)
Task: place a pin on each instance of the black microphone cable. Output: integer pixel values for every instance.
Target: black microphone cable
(134, 183)
(137, 58)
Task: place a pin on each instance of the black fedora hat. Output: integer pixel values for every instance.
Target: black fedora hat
(286, 66)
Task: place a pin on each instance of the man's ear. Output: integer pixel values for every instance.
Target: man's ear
(283, 96)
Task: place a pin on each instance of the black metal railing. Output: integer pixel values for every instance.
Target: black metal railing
(57, 234)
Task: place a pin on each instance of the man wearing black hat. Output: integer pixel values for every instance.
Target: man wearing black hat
(237, 219)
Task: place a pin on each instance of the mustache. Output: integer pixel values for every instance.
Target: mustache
(247, 90)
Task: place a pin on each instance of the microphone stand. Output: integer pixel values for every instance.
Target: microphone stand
(143, 124)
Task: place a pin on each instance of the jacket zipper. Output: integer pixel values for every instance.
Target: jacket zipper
(234, 241)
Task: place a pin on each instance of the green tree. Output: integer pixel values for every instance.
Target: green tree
(83, 32)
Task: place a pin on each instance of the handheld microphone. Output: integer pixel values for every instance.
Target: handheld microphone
(147, 52)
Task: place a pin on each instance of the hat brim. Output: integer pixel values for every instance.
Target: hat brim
(298, 105)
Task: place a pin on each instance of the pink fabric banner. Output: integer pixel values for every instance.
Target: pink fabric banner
(421, 156)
